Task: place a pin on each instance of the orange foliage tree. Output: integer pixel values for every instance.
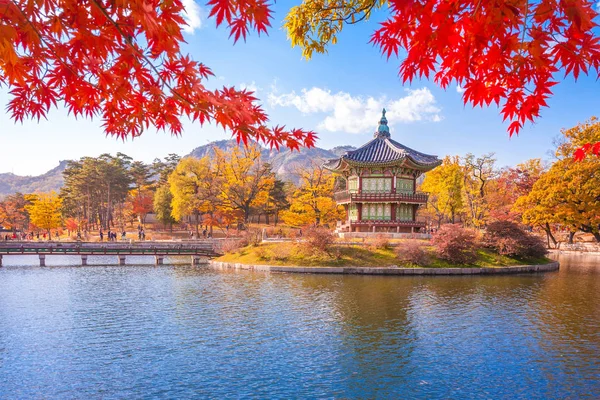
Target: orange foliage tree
(121, 61)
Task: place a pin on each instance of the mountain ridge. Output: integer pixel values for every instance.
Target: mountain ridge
(284, 162)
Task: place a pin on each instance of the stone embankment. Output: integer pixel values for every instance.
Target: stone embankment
(517, 269)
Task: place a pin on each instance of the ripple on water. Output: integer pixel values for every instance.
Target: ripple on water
(183, 332)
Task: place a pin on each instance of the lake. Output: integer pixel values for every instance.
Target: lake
(110, 332)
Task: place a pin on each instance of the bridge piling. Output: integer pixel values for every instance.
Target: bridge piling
(122, 260)
(84, 260)
(159, 260)
(42, 260)
(0, 260)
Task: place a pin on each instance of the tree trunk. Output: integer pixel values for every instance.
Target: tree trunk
(267, 218)
(571, 236)
(596, 236)
(246, 214)
(197, 223)
(108, 208)
(549, 234)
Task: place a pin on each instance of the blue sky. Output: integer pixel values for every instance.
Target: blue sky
(339, 95)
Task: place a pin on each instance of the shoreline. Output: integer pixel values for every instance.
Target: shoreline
(516, 269)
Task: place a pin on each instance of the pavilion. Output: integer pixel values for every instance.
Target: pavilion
(380, 185)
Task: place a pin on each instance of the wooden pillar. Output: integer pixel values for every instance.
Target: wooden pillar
(398, 229)
(159, 260)
(122, 260)
(84, 260)
(42, 260)
(359, 184)
(393, 212)
(359, 206)
(394, 184)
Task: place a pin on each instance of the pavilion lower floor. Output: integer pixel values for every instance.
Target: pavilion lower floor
(382, 226)
(381, 218)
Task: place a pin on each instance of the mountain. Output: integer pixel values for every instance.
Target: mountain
(51, 180)
(284, 162)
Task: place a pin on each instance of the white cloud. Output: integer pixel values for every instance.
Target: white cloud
(356, 114)
(252, 87)
(459, 89)
(191, 16)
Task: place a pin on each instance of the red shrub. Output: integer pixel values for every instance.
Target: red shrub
(230, 245)
(413, 252)
(455, 244)
(380, 243)
(318, 238)
(509, 239)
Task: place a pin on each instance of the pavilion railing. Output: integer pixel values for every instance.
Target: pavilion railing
(408, 197)
(416, 224)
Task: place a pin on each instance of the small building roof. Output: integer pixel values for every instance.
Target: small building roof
(382, 150)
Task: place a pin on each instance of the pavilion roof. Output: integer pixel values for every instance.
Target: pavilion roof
(383, 150)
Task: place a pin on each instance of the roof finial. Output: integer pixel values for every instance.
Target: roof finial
(383, 131)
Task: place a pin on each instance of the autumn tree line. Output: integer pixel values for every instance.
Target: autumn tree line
(228, 188)
(232, 188)
(561, 195)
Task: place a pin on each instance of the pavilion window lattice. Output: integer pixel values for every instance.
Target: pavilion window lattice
(405, 185)
(377, 185)
(404, 212)
(353, 185)
(377, 212)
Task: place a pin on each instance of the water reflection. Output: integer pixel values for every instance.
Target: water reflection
(183, 332)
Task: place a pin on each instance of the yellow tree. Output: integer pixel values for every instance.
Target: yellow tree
(569, 193)
(196, 186)
(45, 211)
(312, 203)
(478, 172)
(445, 186)
(247, 179)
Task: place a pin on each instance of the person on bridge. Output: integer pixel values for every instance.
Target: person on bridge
(101, 235)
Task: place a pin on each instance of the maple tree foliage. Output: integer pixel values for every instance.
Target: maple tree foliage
(507, 52)
(121, 61)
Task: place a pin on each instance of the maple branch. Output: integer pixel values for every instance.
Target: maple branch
(130, 43)
(48, 46)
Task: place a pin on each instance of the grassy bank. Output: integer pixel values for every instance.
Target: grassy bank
(292, 254)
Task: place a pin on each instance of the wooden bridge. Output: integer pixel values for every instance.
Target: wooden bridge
(199, 251)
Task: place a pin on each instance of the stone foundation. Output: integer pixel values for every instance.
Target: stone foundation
(389, 235)
(517, 269)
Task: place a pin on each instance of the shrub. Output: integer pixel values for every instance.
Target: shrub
(263, 253)
(281, 252)
(231, 245)
(456, 244)
(380, 243)
(251, 237)
(413, 252)
(509, 239)
(318, 238)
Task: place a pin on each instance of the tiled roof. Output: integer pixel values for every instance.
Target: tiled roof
(384, 150)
